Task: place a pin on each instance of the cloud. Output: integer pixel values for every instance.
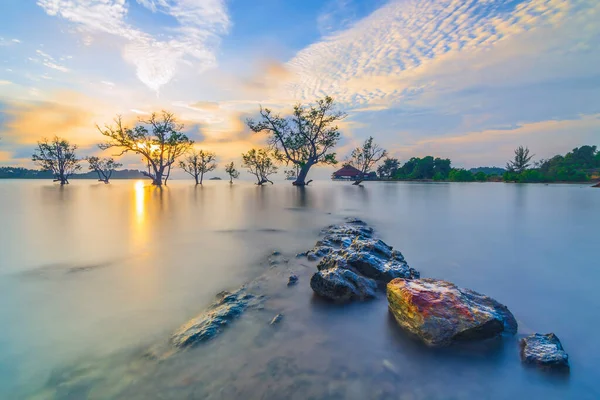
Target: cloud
(337, 15)
(156, 57)
(49, 61)
(5, 83)
(69, 115)
(495, 146)
(388, 55)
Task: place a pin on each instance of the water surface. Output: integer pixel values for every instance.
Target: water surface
(93, 275)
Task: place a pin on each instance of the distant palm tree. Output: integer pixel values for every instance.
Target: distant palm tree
(521, 161)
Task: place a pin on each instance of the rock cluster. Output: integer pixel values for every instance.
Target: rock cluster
(441, 313)
(354, 262)
(545, 351)
(210, 323)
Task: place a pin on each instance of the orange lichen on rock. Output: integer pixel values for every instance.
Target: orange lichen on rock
(440, 312)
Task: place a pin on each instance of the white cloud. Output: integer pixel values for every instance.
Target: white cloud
(384, 56)
(337, 15)
(5, 83)
(49, 61)
(156, 60)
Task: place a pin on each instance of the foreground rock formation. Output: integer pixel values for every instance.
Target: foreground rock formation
(440, 313)
(354, 262)
(210, 323)
(545, 351)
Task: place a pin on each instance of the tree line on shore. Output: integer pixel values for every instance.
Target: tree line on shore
(580, 165)
(299, 141)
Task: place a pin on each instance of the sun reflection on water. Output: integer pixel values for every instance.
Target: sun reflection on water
(140, 205)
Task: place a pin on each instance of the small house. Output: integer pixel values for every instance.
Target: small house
(347, 172)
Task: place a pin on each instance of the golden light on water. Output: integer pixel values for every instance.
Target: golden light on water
(140, 197)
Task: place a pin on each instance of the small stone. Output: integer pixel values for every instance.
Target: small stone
(276, 253)
(545, 351)
(293, 279)
(387, 364)
(276, 319)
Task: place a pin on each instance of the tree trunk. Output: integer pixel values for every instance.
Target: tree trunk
(196, 177)
(158, 178)
(301, 178)
(201, 177)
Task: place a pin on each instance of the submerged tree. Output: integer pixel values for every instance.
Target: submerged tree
(260, 164)
(159, 140)
(303, 139)
(104, 167)
(388, 168)
(521, 161)
(58, 156)
(197, 163)
(232, 172)
(366, 157)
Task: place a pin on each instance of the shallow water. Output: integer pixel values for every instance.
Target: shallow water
(94, 275)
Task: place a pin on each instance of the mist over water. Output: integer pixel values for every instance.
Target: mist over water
(92, 274)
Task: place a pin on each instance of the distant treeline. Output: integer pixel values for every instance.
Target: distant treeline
(436, 169)
(582, 164)
(24, 173)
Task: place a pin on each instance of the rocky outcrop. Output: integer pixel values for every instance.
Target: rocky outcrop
(545, 351)
(354, 262)
(210, 323)
(440, 313)
(597, 185)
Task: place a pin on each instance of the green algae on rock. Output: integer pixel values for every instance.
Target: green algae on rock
(440, 313)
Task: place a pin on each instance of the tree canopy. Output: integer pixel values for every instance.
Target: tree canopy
(260, 164)
(104, 167)
(305, 138)
(158, 139)
(366, 157)
(197, 163)
(57, 155)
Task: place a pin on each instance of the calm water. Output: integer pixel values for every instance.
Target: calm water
(93, 275)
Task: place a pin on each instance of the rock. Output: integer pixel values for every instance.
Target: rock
(276, 319)
(207, 325)
(275, 253)
(545, 351)
(342, 285)
(440, 313)
(292, 280)
(351, 246)
(597, 185)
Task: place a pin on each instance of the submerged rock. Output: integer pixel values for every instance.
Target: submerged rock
(276, 319)
(292, 280)
(353, 262)
(210, 323)
(439, 312)
(545, 351)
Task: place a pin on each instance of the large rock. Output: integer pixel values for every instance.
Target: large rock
(545, 351)
(210, 323)
(342, 285)
(354, 262)
(439, 312)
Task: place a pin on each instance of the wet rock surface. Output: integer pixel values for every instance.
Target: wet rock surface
(210, 323)
(440, 313)
(292, 280)
(545, 351)
(354, 262)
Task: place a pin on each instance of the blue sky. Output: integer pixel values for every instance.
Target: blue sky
(468, 80)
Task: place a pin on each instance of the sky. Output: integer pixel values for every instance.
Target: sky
(469, 80)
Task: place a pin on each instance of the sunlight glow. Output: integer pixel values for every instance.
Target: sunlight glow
(140, 200)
